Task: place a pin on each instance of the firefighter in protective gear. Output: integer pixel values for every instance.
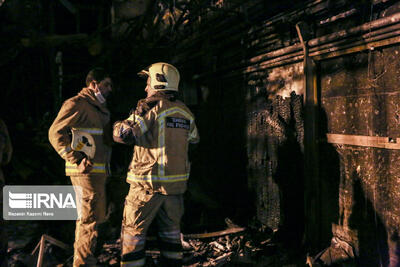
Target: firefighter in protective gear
(160, 129)
(86, 112)
(5, 157)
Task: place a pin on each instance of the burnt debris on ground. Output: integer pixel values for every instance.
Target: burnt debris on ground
(234, 246)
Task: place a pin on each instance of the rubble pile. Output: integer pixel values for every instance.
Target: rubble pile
(219, 251)
(234, 246)
(245, 248)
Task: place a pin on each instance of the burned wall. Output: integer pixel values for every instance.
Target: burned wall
(267, 51)
(275, 134)
(360, 96)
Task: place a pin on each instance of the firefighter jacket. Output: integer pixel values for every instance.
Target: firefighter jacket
(5, 148)
(85, 113)
(161, 129)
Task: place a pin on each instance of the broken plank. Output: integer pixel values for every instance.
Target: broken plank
(218, 233)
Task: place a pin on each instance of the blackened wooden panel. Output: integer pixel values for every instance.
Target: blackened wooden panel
(360, 96)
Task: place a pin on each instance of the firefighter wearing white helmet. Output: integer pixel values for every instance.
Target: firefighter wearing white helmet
(161, 129)
(163, 76)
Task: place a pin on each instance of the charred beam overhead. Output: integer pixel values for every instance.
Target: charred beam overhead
(377, 30)
(381, 32)
(310, 7)
(275, 52)
(268, 29)
(373, 25)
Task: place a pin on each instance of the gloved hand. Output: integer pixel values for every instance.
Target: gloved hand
(85, 166)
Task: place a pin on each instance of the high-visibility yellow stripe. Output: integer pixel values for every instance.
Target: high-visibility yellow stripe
(63, 151)
(95, 165)
(161, 145)
(131, 117)
(73, 168)
(142, 124)
(95, 131)
(77, 171)
(138, 119)
(160, 179)
(135, 263)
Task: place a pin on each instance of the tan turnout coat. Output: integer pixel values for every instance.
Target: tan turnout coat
(82, 112)
(161, 130)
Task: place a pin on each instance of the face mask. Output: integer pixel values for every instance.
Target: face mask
(100, 97)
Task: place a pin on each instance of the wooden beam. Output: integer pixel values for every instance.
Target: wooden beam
(370, 26)
(365, 141)
(41, 252)
(359, 48)
(312, 183)
(215, 234)
(277, 53)
(276, 62)
(42, 247)
(386, 32)
(377, 35)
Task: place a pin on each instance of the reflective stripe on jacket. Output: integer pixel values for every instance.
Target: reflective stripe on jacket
(161, 134)
(85, 113)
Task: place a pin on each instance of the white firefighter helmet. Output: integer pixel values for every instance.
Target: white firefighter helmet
(83, 141)
(163, 76)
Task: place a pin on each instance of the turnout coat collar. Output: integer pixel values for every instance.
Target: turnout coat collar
(88, 94)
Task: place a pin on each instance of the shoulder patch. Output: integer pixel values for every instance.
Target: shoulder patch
(177, 123)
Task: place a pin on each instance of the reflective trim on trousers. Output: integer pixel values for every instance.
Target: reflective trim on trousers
(133, 241)
(171, 236)
(134, 263)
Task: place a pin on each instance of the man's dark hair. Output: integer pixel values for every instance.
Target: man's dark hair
(96, 74)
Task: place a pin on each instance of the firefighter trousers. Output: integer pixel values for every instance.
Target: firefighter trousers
(91, 212)
(141, 208)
